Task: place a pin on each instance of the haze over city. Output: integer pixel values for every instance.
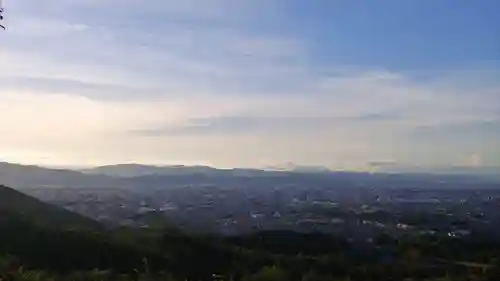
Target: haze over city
(251, 83)
(249, 140)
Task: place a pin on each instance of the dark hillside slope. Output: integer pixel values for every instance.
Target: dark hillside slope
(15, 203)
(49, 237)
(22, 176)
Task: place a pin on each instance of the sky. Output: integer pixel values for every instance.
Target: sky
(251, 83)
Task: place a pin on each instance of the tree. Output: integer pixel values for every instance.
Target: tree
(270, 273)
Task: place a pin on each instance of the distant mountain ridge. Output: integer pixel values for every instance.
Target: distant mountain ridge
(137, 175)
(485, 171)
(139, 170)
(20, 176)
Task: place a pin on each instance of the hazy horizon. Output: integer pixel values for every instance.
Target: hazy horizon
(251, 83)
(373, 168)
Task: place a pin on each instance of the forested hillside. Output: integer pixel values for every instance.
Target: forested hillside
(41, 242)
(15, 203)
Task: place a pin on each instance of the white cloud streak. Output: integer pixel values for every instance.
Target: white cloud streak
(82, 93)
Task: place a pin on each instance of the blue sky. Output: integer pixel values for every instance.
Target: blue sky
(251, 83)
(401, 35)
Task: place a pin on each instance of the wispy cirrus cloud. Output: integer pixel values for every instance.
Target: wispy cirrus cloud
(115, 81)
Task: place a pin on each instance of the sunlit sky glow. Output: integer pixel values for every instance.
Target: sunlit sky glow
(250, 83)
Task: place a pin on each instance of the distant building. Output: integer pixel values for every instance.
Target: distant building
(459, 233)
(403, 226)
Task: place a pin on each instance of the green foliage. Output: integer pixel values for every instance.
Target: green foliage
(270, 273)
